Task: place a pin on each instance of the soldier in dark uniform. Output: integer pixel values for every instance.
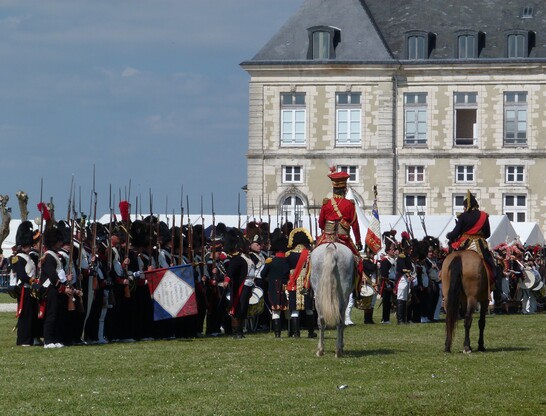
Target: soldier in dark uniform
(54, 279)
(276, 272)
(387, 272)
(256, 243)
(216, 310)
(471, 232)
(300, 296)
(24, 270)
(370, 270)
(240, 285)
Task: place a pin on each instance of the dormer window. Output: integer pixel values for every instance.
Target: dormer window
(527, 12)
(469, 44)
(323, 41)
(519, 43)
(419, 44)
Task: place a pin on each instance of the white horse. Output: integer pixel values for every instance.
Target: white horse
(332, 279)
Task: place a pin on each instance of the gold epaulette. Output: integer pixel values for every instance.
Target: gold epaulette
(402, 256)
(325, 201)
(268, 260)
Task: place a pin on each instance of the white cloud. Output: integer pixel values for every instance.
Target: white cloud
(129, 72)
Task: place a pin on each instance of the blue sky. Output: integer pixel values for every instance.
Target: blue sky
(147, 91)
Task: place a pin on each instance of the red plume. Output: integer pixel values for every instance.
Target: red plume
(44, 211)
(124, 210)
(405, 235)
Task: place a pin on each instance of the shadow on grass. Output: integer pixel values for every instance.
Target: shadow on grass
(506, 349)
(366, 353)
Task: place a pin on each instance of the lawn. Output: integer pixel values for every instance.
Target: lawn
(388, 369)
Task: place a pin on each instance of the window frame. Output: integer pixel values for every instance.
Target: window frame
(334, 38)
(298, 118)
(289, 174)
(519, 106)
(408, 208)
(294, 212)
(458, 107)
(353, 111)
(514, 211)
(515, 174)
(522, 50)
(415, 174)
(465, 172)
(417, 108)
(418, 53)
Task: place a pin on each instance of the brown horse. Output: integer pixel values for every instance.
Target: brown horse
(464, 283)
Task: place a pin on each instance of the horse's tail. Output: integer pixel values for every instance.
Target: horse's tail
(454, 292)
(328, 288)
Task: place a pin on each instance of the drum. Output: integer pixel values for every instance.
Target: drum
(539, 286)
(366, 291)
(528, 279)
(256, 302)
(538, 279)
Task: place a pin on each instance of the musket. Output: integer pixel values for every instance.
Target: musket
(202, 238)
(41, 243)
(151, 229)
(70, 200)
(309, 215)
(261, 209)
(109, 267)
(190, 233)
(422, 218)
(268, 212)
(172, 240)
(410, 225)
(408, 229)
(213, 239)
(72, 208)
(253, 216)
(239, 210)
(181, 246)
(94, 242)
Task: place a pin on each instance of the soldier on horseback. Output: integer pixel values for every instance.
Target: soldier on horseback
(337, 218)
(470, 233)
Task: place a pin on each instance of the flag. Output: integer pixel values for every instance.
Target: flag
(172, 291)
(373, 235)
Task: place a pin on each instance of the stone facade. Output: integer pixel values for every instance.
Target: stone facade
(430, 174)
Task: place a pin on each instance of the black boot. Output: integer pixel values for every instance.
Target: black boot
(237, 328)
(400, 312)
(277, 327)
(368, 316)
(295, 326)
(311, 327)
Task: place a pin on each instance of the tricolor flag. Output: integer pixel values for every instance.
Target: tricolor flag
(373, 235)
(173, 292)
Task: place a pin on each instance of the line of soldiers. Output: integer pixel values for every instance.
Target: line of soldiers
(89, 284)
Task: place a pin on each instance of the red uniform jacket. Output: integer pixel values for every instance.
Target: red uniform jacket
(346, 215)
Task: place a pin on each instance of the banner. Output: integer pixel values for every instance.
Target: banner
(373, 235)
(172, 291)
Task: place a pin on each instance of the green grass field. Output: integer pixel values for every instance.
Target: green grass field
(388, 369)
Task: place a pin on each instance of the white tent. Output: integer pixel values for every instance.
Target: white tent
(529, 233)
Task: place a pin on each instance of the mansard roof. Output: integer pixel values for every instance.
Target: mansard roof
(375, 30)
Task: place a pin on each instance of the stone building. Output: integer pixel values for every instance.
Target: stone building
(423, 98)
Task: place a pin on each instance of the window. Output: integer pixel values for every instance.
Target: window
(351, 170)
(515, 118)
(292, 210)
(419, 44)
(519, 43)
(466, 46)
(469, 44)
(527, 12)
(515, 174)
(515, 207)
(458, 203)
(323, 41)
(464, 173)
(466, 114)
(415, 204)
(348, 116)
(415, 119)
(415, 174)
(292, 174)
(293, 119)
